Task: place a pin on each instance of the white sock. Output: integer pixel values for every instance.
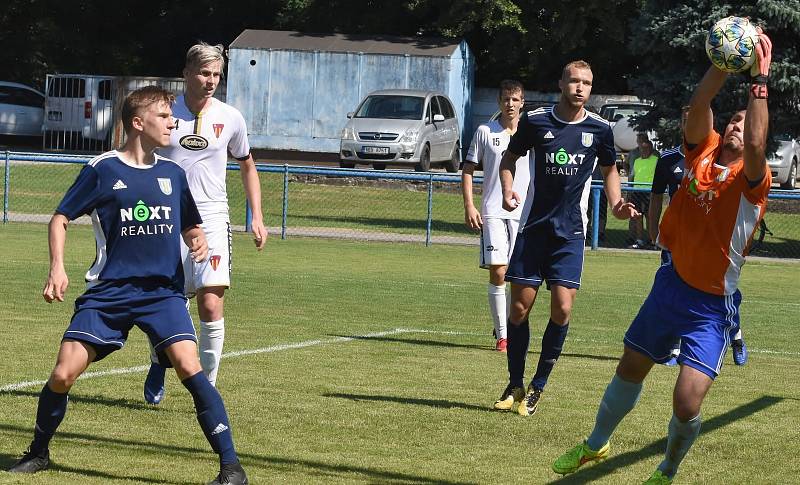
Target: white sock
(498, 308)
(212, 335)
(738, 335)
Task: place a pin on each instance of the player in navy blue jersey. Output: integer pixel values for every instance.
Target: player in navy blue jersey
(141, 206)
(567, 141)
(667, 178)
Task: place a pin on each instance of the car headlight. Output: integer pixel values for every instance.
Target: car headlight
(410, 136)
(348, 133)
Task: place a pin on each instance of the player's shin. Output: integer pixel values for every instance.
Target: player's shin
(552, 343)
(619, 399)
(680, 438)
(498, 308)
(212, 417)
(518, 338)
(212, 337)
(49, 414)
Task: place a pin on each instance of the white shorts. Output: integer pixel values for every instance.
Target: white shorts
(497, 241)
(216, 269)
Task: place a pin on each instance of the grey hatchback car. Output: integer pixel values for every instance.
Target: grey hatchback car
(402, 127)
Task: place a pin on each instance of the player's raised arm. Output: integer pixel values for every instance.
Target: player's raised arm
(756, 123)
(700, 122)
(57, 280)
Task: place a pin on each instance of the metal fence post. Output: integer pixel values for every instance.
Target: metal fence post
(6, 178)
(285, 209)
(595, 216)
(248, 216)
(430, 211)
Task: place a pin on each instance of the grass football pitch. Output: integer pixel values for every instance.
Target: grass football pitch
(353, 362)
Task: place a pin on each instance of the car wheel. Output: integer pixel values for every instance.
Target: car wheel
(453, 164)
(424, 164)
(345, 164)
(791, 180)
(379, 166)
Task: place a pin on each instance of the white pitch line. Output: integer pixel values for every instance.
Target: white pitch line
(274, 348)
(312, 343)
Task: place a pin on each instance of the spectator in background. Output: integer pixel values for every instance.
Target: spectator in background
(597, 175)
(642, 169)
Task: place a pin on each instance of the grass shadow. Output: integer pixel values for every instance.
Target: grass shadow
(434, 403)
(7, 460)
(656, 448)
(118, 403)
(427, 343)
(315, 468)
(439, 343)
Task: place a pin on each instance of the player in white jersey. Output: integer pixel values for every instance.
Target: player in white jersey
(498, 226)
(206, 131)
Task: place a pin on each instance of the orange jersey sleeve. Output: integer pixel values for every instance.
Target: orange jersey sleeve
(711, 219)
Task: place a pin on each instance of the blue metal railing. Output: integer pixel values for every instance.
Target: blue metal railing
(287, 170)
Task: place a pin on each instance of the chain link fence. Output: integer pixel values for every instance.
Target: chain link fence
(387, 205)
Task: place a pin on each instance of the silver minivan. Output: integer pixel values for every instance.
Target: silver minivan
(402, 127)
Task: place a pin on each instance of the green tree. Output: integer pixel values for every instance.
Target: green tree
(668, 40)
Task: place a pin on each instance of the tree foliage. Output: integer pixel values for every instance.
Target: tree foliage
(668, 40)
(653, 48)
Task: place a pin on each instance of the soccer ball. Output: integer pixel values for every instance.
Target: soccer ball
(731, 44)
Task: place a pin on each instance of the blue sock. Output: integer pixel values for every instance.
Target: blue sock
(212, 417)
(49, 414)
(552, 343)
(620, 397)
(517, 350)
(680, 438)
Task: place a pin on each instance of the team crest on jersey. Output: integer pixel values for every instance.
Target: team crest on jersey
(587, 139)
(218, 127)
(165, 185)
(214, 261)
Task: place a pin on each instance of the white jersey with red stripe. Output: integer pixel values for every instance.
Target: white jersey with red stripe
(200, 144)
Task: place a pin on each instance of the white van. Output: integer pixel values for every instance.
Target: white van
(78, 112)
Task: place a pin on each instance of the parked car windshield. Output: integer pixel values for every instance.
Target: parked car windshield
(615, 112)
(392, 107)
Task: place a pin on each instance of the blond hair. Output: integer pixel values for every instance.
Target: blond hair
(579, 64)
(201, 54)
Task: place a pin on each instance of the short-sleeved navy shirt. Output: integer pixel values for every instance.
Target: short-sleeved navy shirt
(138, 214)
(669, 171)
(565, 157)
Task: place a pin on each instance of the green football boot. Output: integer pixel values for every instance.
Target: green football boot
(578, 456)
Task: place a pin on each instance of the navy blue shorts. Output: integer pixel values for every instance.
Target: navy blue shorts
(676, 311)
(105, 314)
(540, 256)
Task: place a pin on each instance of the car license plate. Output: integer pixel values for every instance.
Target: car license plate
(376, 150)
(54, 115)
